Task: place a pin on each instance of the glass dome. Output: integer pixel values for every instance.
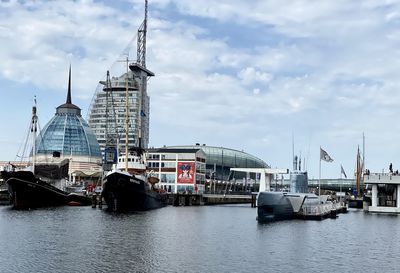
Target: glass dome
(67, 133)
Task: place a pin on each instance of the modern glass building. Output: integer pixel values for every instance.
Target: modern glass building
(107, 113)
(68, 134)
(219, 160)
(67, 138)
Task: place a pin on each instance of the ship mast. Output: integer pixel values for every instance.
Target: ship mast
(126, 116)
(33, 130)
(358, 172)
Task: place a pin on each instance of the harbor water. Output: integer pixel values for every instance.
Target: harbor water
(194, 239)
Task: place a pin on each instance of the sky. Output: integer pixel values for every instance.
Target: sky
(247, 75)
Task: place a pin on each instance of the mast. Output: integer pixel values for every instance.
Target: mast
(33, 130)
(107, 137)
(294, 160)
(358, 171)
(363, 160)
(126, 116)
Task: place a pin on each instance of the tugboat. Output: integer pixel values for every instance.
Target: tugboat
(134, 190)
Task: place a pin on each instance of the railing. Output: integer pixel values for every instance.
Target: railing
(318, 209)
(390, 178)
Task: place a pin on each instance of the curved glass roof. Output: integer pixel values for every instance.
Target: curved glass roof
(227, 157)
(68, 134)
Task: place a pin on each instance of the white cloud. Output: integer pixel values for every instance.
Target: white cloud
(324, 68)
(250, 75)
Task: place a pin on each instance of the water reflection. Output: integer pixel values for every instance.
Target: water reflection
(192, 239)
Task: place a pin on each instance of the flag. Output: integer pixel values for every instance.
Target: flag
(324, 156)
(142, 113)
(342, 170)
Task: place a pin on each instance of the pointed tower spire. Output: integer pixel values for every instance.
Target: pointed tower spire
(68, 107)
(69, 87)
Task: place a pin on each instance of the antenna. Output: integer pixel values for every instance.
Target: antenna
(294, 162)
(141, 40)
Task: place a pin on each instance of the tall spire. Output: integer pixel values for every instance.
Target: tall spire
(69, 87)
(68, 107)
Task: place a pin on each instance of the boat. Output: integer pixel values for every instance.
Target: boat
(132, 190)
(357, 200)
(78, 196)
(298, 203)
(4, 196)
(273, 206)
(28, 190)
(276, 206)
(128, 186)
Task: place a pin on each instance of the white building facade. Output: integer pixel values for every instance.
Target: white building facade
(179, 170)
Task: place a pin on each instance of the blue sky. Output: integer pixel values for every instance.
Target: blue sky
(247, 75)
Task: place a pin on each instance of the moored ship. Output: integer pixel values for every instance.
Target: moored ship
(124, 191)
(27, 191)
(31, 188)
(298, 203)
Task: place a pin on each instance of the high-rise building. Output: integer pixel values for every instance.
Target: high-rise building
(108, 116)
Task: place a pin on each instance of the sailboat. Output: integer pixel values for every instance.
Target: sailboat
(357, 200)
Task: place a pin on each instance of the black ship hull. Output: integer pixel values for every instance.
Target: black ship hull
(27, 191)
(123, 192)
(273, 206)
(356, 203)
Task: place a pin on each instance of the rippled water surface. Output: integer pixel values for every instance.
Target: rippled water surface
(194, 239)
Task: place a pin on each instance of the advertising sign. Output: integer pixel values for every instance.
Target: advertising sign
(185, 172)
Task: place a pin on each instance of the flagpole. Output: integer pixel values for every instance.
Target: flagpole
(319, 180)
